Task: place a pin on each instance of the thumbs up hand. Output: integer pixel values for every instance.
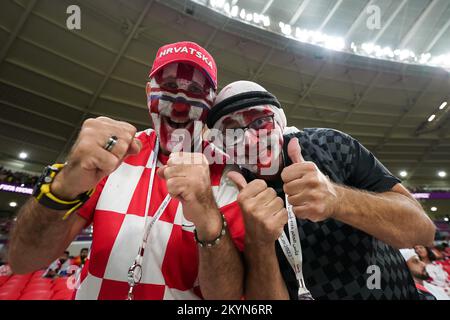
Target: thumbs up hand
(312, 195)
(264, 213)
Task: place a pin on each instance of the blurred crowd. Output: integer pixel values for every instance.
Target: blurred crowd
(64, 266)
(5, 226)
(15, 177)
(56, 282)
(19, 178)
(430, 268)
(420, 189)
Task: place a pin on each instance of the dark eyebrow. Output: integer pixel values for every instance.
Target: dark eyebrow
(196, 83)
(169, 79)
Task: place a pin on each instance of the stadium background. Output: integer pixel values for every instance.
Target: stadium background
(53, 78)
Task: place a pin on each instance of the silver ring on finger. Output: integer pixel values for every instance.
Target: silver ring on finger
(109, 145)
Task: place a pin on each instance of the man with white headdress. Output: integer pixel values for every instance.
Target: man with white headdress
(344, 207)
(418, 270)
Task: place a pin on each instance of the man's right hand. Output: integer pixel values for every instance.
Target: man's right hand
(264, 212)
(89, 162)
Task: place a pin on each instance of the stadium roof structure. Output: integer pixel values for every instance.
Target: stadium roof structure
(52, 78)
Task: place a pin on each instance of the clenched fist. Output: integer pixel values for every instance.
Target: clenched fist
(188, 180)
(89, 162)
(312, 195)
(264, 213)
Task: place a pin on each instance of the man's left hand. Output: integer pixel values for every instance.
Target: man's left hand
(312, 195)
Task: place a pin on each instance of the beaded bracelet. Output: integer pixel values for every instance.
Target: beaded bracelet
(212, 243)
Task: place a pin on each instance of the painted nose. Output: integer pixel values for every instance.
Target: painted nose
(181, 107)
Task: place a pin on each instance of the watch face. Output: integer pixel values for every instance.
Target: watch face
(43, 179)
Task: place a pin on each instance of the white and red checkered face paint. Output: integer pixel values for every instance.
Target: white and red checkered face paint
(177, 97)
(259, 149)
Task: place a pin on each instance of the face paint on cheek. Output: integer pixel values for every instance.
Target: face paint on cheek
(164, 136)
(246, 154)
(270, 162)
(263, 152)
(268, 155)
(163, 131)
(157, 126)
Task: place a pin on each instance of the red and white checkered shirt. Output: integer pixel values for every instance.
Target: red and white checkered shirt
(117, 211)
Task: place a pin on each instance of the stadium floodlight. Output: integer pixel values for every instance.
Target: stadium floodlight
(227, 8)
(403, 54)
(219, 4)
(425, 57)
(286, 29)
(300, 35)
(318, 37)
(256, 18)
(234, 11)
(379, 53)
(431, 118)
(369, 49)
(388, 52)
(242, 14)
(442, 60)
(443, 105)
(335, 43)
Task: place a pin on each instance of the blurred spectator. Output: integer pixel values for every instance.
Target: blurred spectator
(425, 254)
(439, 277)
(445, 250)
(5, 225)
(3, 254)
(81, 259)
(419, 273)
(442, 253)
(59, 267)
(438, 255)
(19, 178)
(5, 270)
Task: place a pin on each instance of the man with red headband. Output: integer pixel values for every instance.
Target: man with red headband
(166, 224)
(345, 211)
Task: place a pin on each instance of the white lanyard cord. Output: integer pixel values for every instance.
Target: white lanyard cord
(292, 249)
(135, 270)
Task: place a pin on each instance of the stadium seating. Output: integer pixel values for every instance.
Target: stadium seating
(33, 287)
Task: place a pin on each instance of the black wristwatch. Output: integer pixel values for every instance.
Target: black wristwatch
(43, 195)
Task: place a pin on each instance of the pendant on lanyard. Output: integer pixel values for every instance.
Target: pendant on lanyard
(292, 249)
(135, 270)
